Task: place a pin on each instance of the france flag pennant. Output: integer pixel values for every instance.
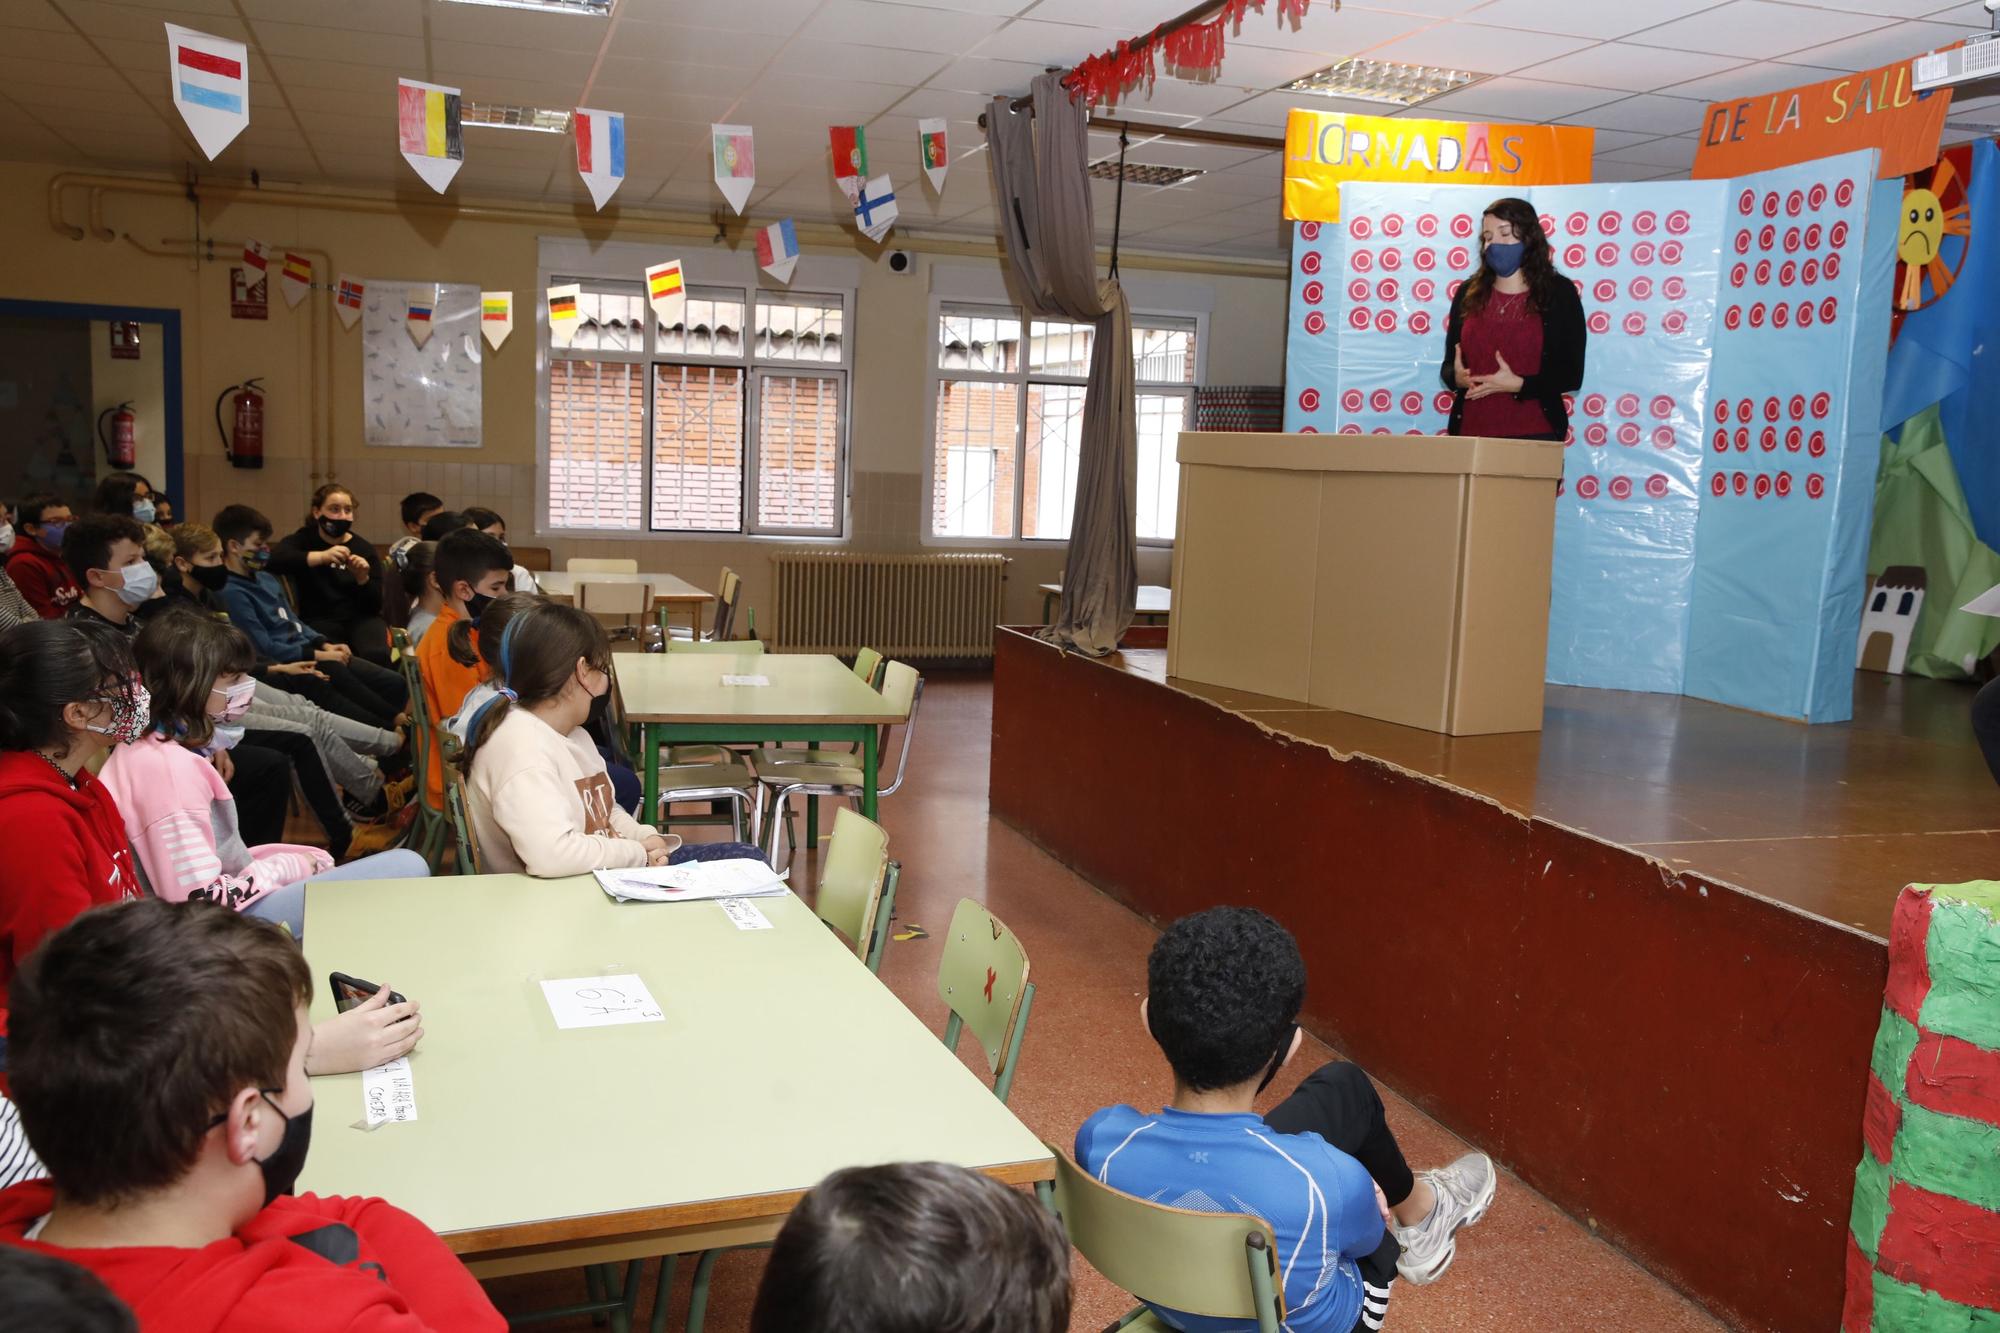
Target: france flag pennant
(778, 250)
(211, 82)
(600, 151)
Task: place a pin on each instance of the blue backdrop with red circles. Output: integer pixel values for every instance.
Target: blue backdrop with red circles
(1712, 521)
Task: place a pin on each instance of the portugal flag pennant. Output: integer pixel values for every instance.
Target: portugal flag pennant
(422, 305)
(667, 290)
(931, 145)
(735, 163)
(211, 86)
(429, 132)
(347, 299)
(850, 159)
(563, 313)
(496, 317)
(296, 279)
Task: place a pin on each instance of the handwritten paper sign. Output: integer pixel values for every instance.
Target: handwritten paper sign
(389, 1092)
(1876, 108)
(595, 1002)
(746, 680)
(743, 914)
(1325, 148)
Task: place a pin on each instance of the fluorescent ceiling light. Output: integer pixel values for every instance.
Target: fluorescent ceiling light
(1142, 173)
(587, 8)
(497, 116)
(1382, 81)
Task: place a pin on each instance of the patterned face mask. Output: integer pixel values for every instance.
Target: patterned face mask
(128, 716)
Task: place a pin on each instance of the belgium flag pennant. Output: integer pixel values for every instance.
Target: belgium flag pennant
(429, 132)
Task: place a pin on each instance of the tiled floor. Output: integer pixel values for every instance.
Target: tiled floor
(1525, 1267)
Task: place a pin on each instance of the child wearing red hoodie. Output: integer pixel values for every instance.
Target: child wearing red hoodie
(159, 1063)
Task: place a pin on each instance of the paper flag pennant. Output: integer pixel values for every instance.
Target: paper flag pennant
(563, 313)
(496, 317)
(667, 290)
(875, 210)
(211, 86)
(422, 303)
(257, 255)
(735, 163)
(778, 250)
(850, 158)
(931, 143)
(429, 132)
(600, 151)
(347, 300)
(296, 279)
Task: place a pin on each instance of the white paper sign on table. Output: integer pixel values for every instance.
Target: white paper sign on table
(743, 913)
(595, 1002)
(389, 1092)
(746, 680)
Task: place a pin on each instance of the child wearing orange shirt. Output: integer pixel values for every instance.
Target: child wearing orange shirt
(471, 569)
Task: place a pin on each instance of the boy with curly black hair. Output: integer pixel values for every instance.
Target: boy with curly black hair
(1224, 990)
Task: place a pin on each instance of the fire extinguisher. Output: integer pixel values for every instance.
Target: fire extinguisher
(121, 439)
(244, 446)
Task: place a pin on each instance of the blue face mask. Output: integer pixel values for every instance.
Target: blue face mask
(1504, 257)
(52, 534)
(144, 511)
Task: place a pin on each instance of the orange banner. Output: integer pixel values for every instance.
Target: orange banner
(1874, 109)
(1324, 148)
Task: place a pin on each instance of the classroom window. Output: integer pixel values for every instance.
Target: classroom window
(731, 419)
(1008, 426)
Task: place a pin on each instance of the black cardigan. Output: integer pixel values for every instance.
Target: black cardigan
(329, 593)
(1563, 339)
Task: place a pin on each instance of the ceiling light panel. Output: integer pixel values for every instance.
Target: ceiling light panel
(500, 116)
(1143, 173)
(1386, 81)
(595, 9)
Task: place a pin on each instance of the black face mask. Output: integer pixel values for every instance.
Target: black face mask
(211, 577)
(475, 607)
(336, 528)
(1278, 1060)
(281, 1169)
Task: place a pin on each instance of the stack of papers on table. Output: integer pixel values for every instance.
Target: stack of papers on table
(694, 882)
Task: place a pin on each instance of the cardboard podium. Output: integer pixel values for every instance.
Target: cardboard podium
(1400, 577)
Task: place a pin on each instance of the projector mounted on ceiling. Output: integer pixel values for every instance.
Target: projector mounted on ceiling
(1977, 61)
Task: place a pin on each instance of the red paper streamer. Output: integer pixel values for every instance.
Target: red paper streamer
(1192, 50)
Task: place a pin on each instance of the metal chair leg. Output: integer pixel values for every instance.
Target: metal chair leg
(698, 1297)
(658, 1323)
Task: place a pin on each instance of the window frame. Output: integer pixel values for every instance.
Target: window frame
(935, 374)
(754, 369)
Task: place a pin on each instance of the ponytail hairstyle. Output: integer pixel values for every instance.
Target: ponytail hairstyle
(537, 655)
(181, 654)
(1538, 262)
(46, 665)
(400, 595)
(492, 634)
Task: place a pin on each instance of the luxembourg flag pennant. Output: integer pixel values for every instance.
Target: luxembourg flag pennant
(429, 132)
(422, 304)
(875, 210)
(211, 86)
(496, 317)
(347, 299)
(735, 163)
(666, 288)
(563, 313)
(850, 158)
(778, 250)
(295, 279)
(936, 156)
(600, 152)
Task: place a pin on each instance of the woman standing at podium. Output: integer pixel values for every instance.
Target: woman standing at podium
(1513, 345)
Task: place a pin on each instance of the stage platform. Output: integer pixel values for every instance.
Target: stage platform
(1638, 956)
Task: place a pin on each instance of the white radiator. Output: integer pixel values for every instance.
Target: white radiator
(903, 606)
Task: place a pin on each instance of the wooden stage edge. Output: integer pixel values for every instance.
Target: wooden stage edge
(1637, 956)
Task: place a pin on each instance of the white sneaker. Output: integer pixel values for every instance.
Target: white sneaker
(1464, 1192)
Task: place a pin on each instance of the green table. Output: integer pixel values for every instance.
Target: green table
(679, 698)
(780, 1059)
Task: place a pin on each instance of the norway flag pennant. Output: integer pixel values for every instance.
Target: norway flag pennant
(211, 86)
(778, 250)
(347, 299)
(931, 145)
(422, 304)
(600, 151)
(850, 158)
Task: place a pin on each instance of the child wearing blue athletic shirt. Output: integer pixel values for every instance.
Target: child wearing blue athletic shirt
(1224, 990)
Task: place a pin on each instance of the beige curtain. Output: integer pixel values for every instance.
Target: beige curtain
(1049, 235)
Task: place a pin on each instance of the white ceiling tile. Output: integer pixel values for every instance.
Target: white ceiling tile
(1660, 154)
(939, 102)
(766, 16)
(1266, 114)
(1045, 44)
(470, 66)
(61, 47)
(1969, 12)
(1003, 8)
(1882, 47)
(912, 27)
(686, 45)
(1137, 15)
(1435, 8)
(1526, 101)
(1750, 81)
(300, 71)
(1178, 97)
(840, 96)
(490, 26)
(44, 97)
(1586, 18)
(870, 64)
(1755, 28)
(394, 16)
(1643, 113)
(129, 23)
(628, 84)
(1326, 31)
(979, 75)
(1171, 153)
(1612, 173)
(1476, 47)
(401, 56)
(1263, 68)
(1640, 68)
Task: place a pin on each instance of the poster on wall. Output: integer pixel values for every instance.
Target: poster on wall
(420, 395)
(1876, 108)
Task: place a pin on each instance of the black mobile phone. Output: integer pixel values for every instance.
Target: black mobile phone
(351, 991)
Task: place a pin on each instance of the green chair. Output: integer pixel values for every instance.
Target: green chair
(816, 773)
(1222, 1265)
(430, 826)
(465, 841)
(728, 592)
(983, 980)
(868, 665)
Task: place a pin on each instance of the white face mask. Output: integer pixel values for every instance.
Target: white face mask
(6, 538)
(225, 736)
(141, 582)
